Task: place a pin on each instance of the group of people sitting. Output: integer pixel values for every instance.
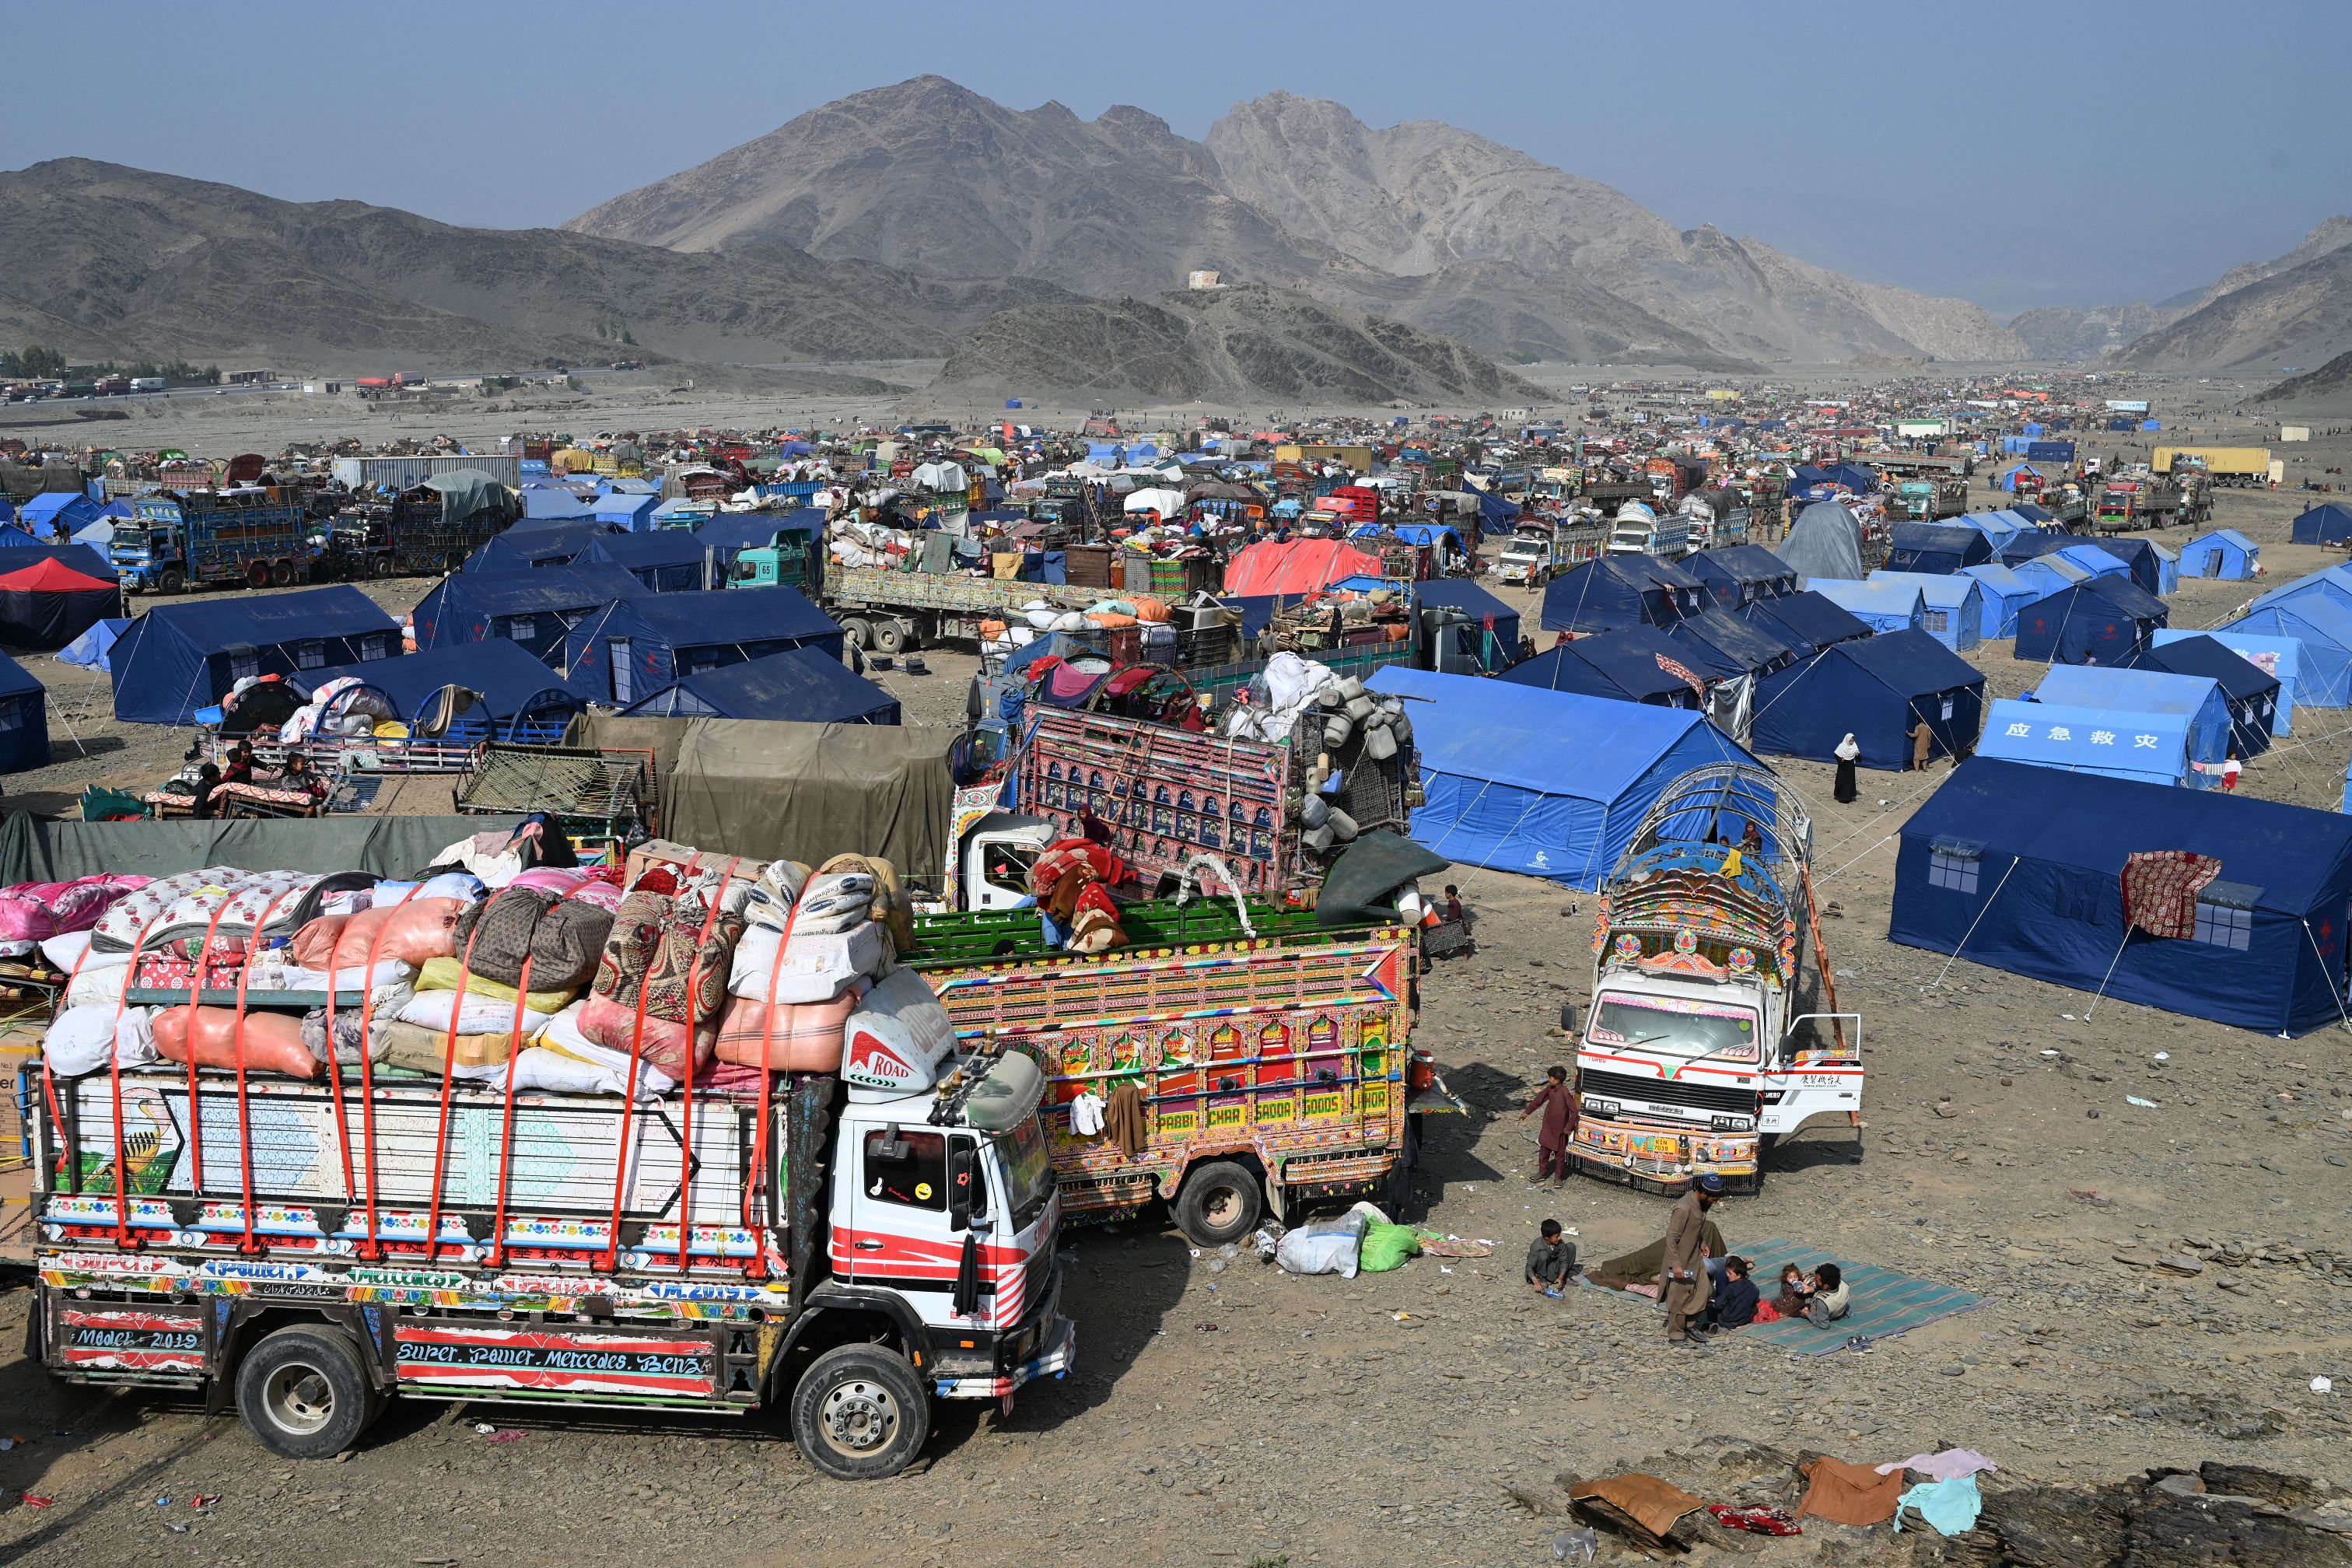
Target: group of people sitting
(1820, 1297)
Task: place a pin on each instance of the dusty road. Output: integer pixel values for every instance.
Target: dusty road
(1224, 1412)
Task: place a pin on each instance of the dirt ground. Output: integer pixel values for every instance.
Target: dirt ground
(1224, 1413)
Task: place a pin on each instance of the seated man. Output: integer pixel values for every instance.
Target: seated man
(1832, 1298)
(1551, 1258)
(1733, 1304)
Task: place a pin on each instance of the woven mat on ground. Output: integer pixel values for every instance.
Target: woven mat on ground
(1884, 1302)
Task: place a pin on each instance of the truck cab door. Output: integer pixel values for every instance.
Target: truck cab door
(895, 1225)
(1815, 1075)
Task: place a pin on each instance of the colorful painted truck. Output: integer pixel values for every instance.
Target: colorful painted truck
(1271, 1060)
(252, 537)
(848, 1246)
(1701, 1047)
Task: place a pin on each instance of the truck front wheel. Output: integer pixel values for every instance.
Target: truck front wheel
(859, 1412)
(171, 581)
(304, 1394)
(857, 631)
(1217, 1203)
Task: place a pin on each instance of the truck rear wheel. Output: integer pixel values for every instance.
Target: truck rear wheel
(891, 636)
(257, 575)
(857, 631)
(1217, 1203)
(304, 1394)
(859, 1412)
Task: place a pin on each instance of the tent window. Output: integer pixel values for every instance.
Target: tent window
(522, 628)
(2224, 925)
(1950, 870)
(310, 654)
(617, 651)
(11, 717)
(1938, 620)
(371, 646)
(243, 664)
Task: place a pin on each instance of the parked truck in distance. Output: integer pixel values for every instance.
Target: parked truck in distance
(1709, 1036)
(406, 536)
(1638, 530)
(1929, 500)
(251, 536)
(2243, 467)
(892, 612)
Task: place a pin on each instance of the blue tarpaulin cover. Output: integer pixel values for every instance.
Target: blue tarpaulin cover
(1615, 591)
(1806, 622)
(1876, 688)
(533, 607)
(1548, 783)
(2104, 620)
(1936, 547)
(2021, 869)
(23, 718)
(1737, 574)
(1639, 664)
(1721, 647)
(554, 542)
(177, 658)
(800, 685)
(667, 636)
(669, 561)
(1882, 606)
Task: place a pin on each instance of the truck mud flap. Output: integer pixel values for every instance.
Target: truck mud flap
(142, 1341)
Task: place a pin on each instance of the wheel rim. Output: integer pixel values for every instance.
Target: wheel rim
(298, 1399)
(858, 1417)
(1223, 1207)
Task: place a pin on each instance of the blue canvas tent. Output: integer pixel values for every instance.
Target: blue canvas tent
(1825, 541)
(2103, 621)
(1881, 606)
(1951, 605)
(2033, 513)
(2128, 723)
(2139, 557)
(1614, 591)
(2322, 632)
(801, 684)
(628, 511)
(2252, 694)
(669, 562)
(94, 649)
(1806, 622)
(1998, 527)
(625, 650)
(2329, 523)
(24, 719)
(177, 658)
(1739, 575)
(2024, 869)
(2278, 657)
(2045, 574)
(1809, 482)
(2005, 594)
(1547, 784)
(552, 498)
(1491, 639)
(2330, 584)
(55, 514)
(534, 609)
(532, 545)
(2223, 553)
(1721, 647)
(1932, 547)
(1876, 689)
(501, 691)
(1639, 664)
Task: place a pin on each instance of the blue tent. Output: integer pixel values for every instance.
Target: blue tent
(1811, 483)
(94, 649)
(1737, 574)
(514, 696)
(2329, 523)
(2023, 868)
(628, 511)
(1881, 606)
(2330, 584)
(2000, 527)
(24, 719)
(669, 562)
(177, 658)
(1806, 622)
(635, 647)
(535, 609)
(2252, 694)
(1548, 783)
(1937, 548)
(2009, 479)
(1951, 605)
(1825, 541)
(2005, 594)
(2223, 553)
(2103, 621)
(1721, 647)
(1876, 689)
(1613, 591)
(553, 498)
(1492, 638)
(800, 684)
(1420, 533)
(1638, 664)
(529, 544)
(2128, 723)
(2322, 632)
(2278, 657)
(2045, 574)
(55, 514)
(2139, 556)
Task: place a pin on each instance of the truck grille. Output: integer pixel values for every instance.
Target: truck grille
(1701, 1097)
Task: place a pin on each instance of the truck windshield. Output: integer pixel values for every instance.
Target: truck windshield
(1029, 1172)
(1672, 1026)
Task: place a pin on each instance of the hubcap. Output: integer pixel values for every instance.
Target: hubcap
(1224, 1206)
(299, 1399)
(860, 1417)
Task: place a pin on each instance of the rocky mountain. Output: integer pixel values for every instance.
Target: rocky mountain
(1423, 221)
(2335, 376)
(2086, 332)
(101, 260)
(2301, 315)
(1232, 345)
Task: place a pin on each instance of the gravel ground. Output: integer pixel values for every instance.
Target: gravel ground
(1234, 1415)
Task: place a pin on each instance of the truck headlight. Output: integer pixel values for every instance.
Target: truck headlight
(1601, 1107)
(1731, 1124)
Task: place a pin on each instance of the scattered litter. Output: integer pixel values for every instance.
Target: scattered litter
(2323, 1386)
(484, 1427)
(1205, 1327)
(2163, 1055)
(2049, 1053)
(163, 1502)
(1762, 1519)
(2068, 1017)
(8, 1443)
(175, 1528)
(2136, 1099)
(203, 1500)
(1575, 1545)
(29, 1501)
(1444, 1268)
(509, 1435)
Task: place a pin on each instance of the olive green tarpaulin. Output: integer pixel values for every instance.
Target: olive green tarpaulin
(766, 790)
(36, 849)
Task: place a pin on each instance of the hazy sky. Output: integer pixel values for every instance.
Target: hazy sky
(2074, 152)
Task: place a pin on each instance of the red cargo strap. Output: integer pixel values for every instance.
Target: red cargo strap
(243, 1116)
(611, 1259)
(114, 1073)
(685, 1118)
(195, 990)
(371, 1245)
(754, 1187)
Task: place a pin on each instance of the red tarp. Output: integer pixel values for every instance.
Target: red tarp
(1301, 566)
(53, 576)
